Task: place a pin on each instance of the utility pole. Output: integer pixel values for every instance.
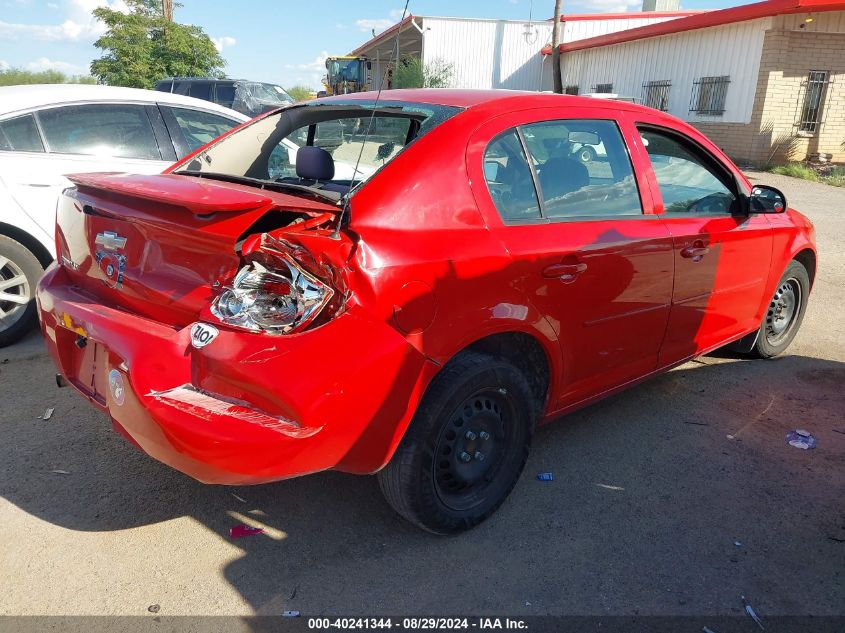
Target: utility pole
(556, 32)
(167, 10)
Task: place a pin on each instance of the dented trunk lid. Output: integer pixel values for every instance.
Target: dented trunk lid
(158, 245)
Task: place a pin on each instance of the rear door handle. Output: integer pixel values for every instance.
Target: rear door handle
(565, 272)
(695, 251)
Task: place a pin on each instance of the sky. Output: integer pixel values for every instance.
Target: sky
(278, 41)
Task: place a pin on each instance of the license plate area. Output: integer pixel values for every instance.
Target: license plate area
(85, 363)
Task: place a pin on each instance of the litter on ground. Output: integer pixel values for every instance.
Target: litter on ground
(800, 438)
(753, 615)
(240, 531)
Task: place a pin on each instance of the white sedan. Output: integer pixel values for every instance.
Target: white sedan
(48, 131)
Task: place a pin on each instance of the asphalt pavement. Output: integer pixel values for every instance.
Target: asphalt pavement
(654, 509)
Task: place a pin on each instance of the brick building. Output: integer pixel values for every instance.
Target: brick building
(765, 81)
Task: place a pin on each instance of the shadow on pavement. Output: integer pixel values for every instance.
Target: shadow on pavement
(649, 496)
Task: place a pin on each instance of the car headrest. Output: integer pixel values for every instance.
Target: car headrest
(559, 176)
(314, 163)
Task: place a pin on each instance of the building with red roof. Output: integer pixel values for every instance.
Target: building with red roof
(766, 81)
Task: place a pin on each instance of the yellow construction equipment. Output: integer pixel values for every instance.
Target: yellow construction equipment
(345, 75)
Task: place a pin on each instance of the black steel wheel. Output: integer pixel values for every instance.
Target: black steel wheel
(785, 312)
(465, 447)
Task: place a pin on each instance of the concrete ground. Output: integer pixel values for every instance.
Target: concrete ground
(653, 510)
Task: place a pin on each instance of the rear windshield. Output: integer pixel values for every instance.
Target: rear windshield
(360, 136)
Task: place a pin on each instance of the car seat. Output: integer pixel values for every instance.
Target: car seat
(559, 176)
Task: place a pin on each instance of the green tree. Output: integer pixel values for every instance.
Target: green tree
(143, 46)
(301, 93)
(412, 73)
(19, 77)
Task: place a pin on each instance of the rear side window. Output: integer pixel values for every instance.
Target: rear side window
(201, 90)
(20, 134)
(120, 130)
(226, 94)
(509, 179)
(583, 169)
(199, 127)
(181, 87)
(688, 184)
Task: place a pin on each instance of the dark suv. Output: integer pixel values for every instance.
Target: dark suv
(247, 97)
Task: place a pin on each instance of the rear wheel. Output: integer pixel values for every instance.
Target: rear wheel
(20, 271)
(465, 447)
(785, 312)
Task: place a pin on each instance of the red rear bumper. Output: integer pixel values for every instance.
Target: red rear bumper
(247, 408)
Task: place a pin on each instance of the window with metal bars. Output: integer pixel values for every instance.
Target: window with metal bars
(571, 90)
(656, 94)
(603, 88)
(709, 95)
(815, 88)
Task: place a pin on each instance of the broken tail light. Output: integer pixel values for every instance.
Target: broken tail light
(281, 289)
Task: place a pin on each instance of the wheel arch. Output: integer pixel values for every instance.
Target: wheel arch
(526, 353)
(807, 258)
(28, 241)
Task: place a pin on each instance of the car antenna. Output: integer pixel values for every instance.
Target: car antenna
(343, 212)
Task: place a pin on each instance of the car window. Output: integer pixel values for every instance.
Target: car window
(687, 184)
(583, 168)
(360, 137)
(226, 94)
(201, 90)
(509, 179)
(376, 141)
(181, 87)
(120, 130)
(20, 134)
(200, 127)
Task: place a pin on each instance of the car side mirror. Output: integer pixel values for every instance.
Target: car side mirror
(765, 199)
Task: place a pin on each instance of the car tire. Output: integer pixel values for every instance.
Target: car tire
(465, 447)
(586, 154)
(20, 271)
(784, 313)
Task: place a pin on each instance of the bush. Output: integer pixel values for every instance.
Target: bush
(301, 93)
(797, 170)
(412, 73)
(18, 77)
(827, 175)
(836, 177)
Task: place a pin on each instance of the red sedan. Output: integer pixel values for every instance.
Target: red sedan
(410, 292)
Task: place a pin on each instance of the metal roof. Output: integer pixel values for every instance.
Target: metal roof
(732, 15)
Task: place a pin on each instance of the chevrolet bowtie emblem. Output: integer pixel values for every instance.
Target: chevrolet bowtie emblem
(110, 241)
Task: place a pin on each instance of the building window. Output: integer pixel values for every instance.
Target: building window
(603, 88)
(571, 90)
(815, 88)
(656, 94)
(709, 94)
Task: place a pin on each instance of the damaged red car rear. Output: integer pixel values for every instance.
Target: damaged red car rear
(413, 288)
